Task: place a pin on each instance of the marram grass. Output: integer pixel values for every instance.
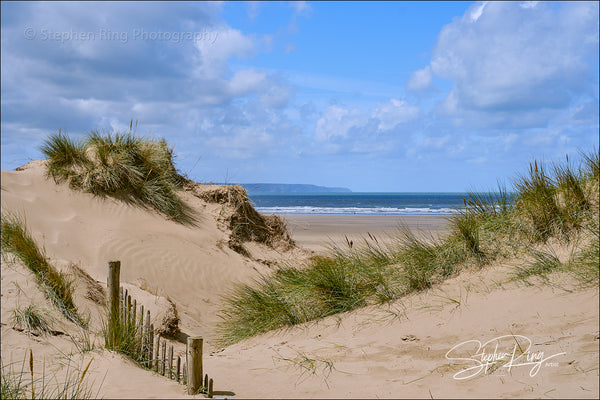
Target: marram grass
(119, 165)
(559, 202)
(23, 383)
(16, 239)
(33, 319)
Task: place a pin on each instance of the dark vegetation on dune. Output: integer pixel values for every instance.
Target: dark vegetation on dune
(549, 204)
(243, 221)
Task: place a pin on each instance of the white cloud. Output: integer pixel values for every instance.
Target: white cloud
(506, 60)
(246, 81)
(393, 113)
(337, 121)
(277, 95)
(421, 79)
(477, 10)
(214, 55)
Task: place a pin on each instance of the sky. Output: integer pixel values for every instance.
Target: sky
(375, 97)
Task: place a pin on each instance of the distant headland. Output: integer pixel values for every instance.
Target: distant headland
(255, 188)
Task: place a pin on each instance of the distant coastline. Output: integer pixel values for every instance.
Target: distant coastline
(282, 188)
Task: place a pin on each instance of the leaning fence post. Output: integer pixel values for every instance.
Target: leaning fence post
(194, 369)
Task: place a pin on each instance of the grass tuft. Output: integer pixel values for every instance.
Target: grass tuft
(124, 336)
(122, 166)
(16, 239)
(33, 319)
(543, 264)
(22, 384)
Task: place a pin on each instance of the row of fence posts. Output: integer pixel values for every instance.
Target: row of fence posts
(153, 350)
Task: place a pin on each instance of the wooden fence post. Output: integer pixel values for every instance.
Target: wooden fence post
(114, 269)
(142, 333)
(178, 368)
(157, 353)
(134, 312)
(164, 357)
(171, 362)
(148, 340)
(194, 369)
(210, 388)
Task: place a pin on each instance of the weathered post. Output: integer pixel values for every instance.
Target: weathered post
(194, 369)
(157, 353)
(114, 269)
(164, 357)
(128, 313)
(142, 333)
(210, 388)
(178, 370)
(134, 312)
(171, 362)
(148, 340)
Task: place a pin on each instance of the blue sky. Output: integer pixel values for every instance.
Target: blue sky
(378, 96)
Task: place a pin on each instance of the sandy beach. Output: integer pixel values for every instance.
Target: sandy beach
(393, 350)
(317, 231)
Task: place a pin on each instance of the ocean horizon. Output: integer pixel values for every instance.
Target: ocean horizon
(360, 203)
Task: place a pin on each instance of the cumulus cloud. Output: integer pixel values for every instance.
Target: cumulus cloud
(79, 67)
(374, 130)
(337, 121)
(214, 55)
(508, 60)
(420, 80)
(393, 113)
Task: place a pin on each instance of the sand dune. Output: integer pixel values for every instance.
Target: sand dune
(397, 350)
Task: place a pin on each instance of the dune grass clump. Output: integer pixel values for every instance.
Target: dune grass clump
(328, 285)
(124, 336)
(562, 204)
(119, 165)
(17, 240)
(33, 319)
(23, 385)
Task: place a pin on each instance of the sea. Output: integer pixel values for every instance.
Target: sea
(353, 203)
